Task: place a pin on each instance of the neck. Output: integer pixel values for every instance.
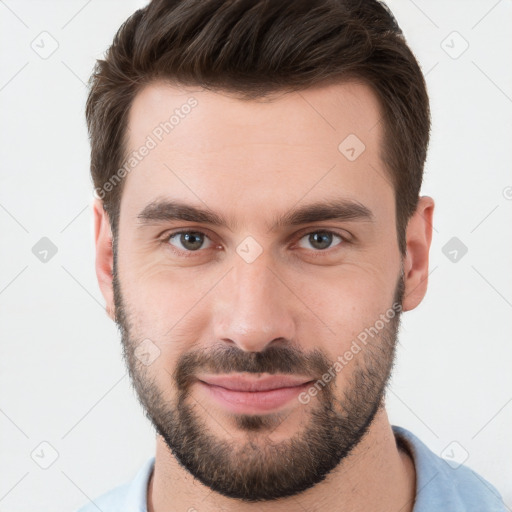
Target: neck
(375, 476)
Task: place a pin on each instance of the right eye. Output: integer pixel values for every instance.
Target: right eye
(187, 241)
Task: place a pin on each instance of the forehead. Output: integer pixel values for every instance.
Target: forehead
(215, 148)
(309, 114)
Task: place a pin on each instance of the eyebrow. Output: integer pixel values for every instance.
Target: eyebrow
(162, 210)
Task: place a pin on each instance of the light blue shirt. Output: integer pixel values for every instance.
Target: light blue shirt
(441, 485)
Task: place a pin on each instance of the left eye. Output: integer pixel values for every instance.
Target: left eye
(320, 240)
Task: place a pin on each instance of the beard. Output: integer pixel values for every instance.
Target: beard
(257, 468)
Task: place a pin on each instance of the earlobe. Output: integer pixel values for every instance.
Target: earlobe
(104, 255)
(419, 237)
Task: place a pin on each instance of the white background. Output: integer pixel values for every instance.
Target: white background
(62, 378)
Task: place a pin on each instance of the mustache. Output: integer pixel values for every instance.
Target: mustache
(275, 359)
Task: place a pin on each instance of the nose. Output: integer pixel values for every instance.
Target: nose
(254, 308)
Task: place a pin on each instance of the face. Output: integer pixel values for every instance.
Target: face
(258, 281)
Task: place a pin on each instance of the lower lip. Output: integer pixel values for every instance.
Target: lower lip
(253, 402)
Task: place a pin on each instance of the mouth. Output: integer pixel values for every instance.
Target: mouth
(244, 394)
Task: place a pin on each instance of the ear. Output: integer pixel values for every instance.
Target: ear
(104, 255)
(418, 237)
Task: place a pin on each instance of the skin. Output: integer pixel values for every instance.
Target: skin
(251, 161)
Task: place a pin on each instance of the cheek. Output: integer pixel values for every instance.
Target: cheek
(175, 320)
(160, 297)
(351, 298)
(351, 309)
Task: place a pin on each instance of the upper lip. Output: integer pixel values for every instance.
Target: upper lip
(241, 382)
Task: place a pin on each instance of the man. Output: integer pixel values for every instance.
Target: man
(259, 232)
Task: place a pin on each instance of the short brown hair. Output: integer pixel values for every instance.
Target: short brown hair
(253, 48)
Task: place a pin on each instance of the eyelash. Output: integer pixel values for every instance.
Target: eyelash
(187, 254)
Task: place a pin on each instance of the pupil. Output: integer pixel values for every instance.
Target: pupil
(316, 238)
(191, 241)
